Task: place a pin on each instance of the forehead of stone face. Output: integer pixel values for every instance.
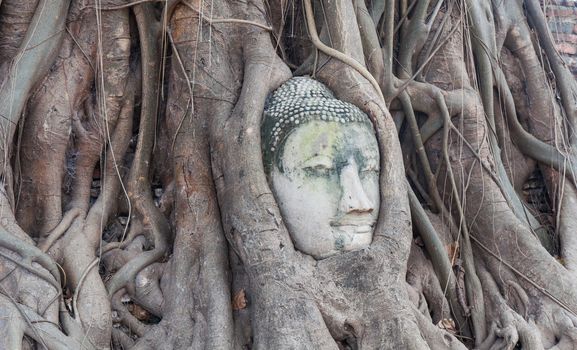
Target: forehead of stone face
(296, 103)
(330, 145)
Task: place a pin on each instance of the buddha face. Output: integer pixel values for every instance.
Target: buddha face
(326, 183)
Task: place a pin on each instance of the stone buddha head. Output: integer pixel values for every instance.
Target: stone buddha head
(322, 162)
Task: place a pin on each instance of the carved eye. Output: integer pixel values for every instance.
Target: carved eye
(319, 170)
(363, 173)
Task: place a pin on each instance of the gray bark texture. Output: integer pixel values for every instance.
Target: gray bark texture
(135, 212)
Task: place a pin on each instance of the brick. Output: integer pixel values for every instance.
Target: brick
(561, 27)
(567, 48)
(562, 2)
(562, 15)
(560, 11)
(565, 38)
(571, 62)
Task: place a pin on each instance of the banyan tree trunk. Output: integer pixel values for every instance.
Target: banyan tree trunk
(135, 212)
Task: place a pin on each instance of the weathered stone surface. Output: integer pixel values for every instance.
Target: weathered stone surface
(322, 158)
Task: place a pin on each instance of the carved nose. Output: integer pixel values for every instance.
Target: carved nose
(353, 196)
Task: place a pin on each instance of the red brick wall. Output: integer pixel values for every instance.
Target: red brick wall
(562, 16)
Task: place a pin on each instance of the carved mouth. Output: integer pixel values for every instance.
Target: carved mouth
(357, 225)
(364, 229)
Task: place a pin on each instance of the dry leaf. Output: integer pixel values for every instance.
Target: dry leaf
(448, 324)
(453, 252)
(138, 312)
(239, 300)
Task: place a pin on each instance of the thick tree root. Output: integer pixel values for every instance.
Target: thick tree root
(123, 241)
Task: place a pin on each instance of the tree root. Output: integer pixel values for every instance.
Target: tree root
(42, 331)
(169, 257)
(133, 324)
(509, 329)
(139, 183)
(359, 67)
(31, 254)
(59, 230)
(30, 64)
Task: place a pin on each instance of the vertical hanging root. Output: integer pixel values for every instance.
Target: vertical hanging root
(139, 179)
(474, 291)
(439, 259)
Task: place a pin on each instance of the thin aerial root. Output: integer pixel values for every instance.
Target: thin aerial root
(436, 250)
(59, 230)
(30, 254)
(523, 298)
(126, 317)
(139, 182)
(227, 20)
(79, 287)
(336, 54)
(473, 285)
(419, 146)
